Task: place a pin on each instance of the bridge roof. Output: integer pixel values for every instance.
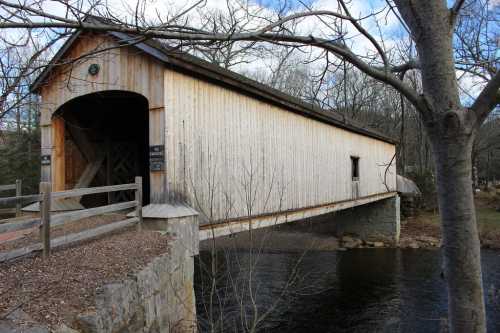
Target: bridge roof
(194, 66)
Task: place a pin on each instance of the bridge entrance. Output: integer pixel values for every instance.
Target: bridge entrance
(101, 139)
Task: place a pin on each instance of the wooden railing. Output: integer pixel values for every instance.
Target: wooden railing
(18, 188)
(46, 221)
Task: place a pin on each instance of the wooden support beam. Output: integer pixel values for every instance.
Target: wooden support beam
(81, 140)
(138, 199)
(90, 172)
(19, 193)
(157, 179)
(58, 156)
(45, 189)
(94, 158)
(46, 150)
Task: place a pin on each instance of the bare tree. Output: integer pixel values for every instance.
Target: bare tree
(450, 125)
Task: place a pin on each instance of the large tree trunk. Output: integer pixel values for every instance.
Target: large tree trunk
(461, 247)
(451, 129)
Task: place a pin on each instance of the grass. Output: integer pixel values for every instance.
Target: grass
(488, 218)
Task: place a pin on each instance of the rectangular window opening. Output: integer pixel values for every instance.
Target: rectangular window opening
(355, 168)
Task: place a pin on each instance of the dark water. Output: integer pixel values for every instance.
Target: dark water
(363, 290)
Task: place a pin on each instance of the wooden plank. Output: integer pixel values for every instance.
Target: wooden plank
(92, 233)
(93, 190)
(58, 156)
(69, 239)
(90, 172)
(21, 225)
(5, 256)
(7, 187)
(122, 68)
(24, 199)
(138, 199)
(7, 211)
(88, 151)
(297, 162)
(46, 144)
(45, 188)
(19, 192)
(81, 140)
(64, 218)
(157, 138)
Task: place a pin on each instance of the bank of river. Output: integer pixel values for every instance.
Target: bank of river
(358, 290)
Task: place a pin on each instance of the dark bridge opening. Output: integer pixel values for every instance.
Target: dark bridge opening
(106, 140)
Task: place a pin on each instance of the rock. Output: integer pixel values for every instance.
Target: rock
(20, 322)
(64, 329)
(20, 316)
(432, 241)
(413, 245)
(87, 322)
(374, 244)
(347, 239)
(489, 244)
(350, 243)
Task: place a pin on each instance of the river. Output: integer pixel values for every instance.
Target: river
(311, 290)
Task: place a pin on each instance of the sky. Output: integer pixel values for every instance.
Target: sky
(385, 26)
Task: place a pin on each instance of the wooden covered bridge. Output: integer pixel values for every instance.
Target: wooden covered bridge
(240, 153)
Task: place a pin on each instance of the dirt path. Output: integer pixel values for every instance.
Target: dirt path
(53, 291)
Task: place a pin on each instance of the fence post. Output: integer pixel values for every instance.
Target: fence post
(138, 198)
(19, 192)
(45, 189)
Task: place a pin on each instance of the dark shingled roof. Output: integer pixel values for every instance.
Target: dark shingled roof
(194, 66)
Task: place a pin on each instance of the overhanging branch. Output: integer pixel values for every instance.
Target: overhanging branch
(455, 10)
(488, 99)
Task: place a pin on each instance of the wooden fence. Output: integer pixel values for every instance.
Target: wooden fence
(46, 221)
(18, 188)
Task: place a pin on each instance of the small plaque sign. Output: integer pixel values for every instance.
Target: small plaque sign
(157, 158)
(45, 159)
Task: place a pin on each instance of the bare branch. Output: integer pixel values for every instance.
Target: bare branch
(455, 10)
(488, 99)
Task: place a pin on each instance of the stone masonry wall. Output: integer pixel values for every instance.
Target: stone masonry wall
(159, 298)
(377, 221)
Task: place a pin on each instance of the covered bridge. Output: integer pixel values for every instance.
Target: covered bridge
(233, 149)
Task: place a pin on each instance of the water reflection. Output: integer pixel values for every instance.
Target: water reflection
(364, 290)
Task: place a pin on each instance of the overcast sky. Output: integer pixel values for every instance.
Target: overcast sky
(385, 25)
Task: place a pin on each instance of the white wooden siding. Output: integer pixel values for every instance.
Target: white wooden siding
(231, 155)
(228, 154)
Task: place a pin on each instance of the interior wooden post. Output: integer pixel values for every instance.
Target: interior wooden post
(58, 156)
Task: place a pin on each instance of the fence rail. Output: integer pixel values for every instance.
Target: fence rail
(17, 186)
(46, 221)
(7, 187)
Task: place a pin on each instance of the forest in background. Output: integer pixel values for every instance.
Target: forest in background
(335, 86)
(346, 91)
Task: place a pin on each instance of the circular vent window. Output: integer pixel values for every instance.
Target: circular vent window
(94, 69)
